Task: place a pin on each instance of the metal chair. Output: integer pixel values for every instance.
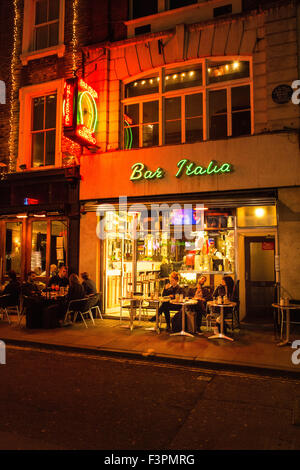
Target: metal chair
(133, 305)
(4, 299)
(81, 307)
(95, 300)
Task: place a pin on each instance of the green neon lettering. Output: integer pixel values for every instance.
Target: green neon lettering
(180, 167)
(137, 171)
(189, 169)
(225, 168)
(208, 170)
(148, 175)
(199, 170)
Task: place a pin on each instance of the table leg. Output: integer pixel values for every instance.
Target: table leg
(156, 327)
(182, 332)
(286, 342)
(221, 334)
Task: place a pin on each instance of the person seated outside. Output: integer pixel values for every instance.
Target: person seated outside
(12, 289)
(75, 292)
(60, 279)
(202, 294)
(224, 289)
(53, 270)
(88, 285)
(30, 287)
(171, 290)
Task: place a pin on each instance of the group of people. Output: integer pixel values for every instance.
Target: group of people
(76, 289)
(202, 294)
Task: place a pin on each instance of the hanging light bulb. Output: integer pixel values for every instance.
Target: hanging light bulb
(236, 65)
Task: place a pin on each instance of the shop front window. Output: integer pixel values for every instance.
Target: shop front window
(38, 247)
(43, 130)
(256, 216)
(58, 244)
(207, 100)
(13, 243)
(142, 248)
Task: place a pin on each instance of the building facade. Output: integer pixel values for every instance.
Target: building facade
(190, 117)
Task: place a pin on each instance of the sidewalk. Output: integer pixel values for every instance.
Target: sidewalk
(254, 348)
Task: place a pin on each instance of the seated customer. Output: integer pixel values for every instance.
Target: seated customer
(88, 285)
(222, 290)
(76, 292)
(12, 289)
(202, 295)
(171, 289)
(60, 279)
(30, 287)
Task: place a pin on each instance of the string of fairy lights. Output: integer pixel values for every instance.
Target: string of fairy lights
(14, 87)
(75, 35)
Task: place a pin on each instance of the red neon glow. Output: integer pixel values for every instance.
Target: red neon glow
(68, 106)
(88, 88)
(86, 134)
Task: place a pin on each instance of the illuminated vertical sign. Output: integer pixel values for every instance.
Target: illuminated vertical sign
(80, 112)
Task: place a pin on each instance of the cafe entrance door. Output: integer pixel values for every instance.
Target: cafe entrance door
(259, 277)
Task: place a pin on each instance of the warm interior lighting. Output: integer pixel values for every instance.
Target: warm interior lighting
(22, 216)
(259, 212)
(236, 65)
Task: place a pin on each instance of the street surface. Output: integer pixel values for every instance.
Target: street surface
(57, 400)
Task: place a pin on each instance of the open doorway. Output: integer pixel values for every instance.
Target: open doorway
(259, 277)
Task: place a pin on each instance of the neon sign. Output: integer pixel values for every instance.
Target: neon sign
(140, 171)
(80, 113)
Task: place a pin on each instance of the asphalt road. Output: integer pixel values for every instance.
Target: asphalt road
(63, 401)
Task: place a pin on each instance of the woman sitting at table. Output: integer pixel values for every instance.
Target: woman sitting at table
(202, 295)
(171, 290)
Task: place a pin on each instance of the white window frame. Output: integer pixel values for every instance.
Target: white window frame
(29, 31)
(26, 96)
(205, 88)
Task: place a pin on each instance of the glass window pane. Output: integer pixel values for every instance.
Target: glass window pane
(131, 138)
(194, 129)
(39, 244)
(217, 102)
(53, 10)
(173, 108)
(181, 3)
(38, 113)
(140, 8)
(131, 115)
(41, 37)
(229, 70)
(254, 216)
(38, 149)
(58, 243)
(50, 148)
(150, 135)
(150, 111)
(186, 77)
(13, 246)
(240, 98)
(53, 34)
(194, 105)
(144, 86)
(241, 123)
(173, 132)
(41, 12)
(218, 127)
(50, 112)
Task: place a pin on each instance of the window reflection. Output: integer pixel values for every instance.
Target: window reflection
(38, 247)
(58, 244)
(13, 247)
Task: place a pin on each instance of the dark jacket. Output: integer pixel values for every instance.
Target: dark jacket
(58, 281)
(221, 291)
(206, 293)
(89, 287)
(29, 288)
(76, 292)
(13, 289)
(172, 291)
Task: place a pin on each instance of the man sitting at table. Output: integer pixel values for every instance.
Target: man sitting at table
(12, 289)
(30, 287)
(60, 279)
(171, 290)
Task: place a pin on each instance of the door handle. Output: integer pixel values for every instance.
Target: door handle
(246, 276)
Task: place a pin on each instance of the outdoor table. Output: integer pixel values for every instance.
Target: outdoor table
(140, 300)
(157, 301)
(183, 303)
(221, 335)
(285, 310)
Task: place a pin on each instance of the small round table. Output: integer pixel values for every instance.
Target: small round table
(285, 309)
(183, 303)
(221, 335)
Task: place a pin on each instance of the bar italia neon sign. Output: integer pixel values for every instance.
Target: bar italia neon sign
(141, 172)
(80, 112)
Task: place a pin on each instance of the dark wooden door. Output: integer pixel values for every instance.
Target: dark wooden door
(260, 277)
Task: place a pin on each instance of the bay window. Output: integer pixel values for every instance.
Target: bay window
(205, 101)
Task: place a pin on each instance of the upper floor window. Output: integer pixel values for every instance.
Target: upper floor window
(46, 24)
(139, 9)
(43, 130)
(207, 100)
(43, 29)
(40, 128)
